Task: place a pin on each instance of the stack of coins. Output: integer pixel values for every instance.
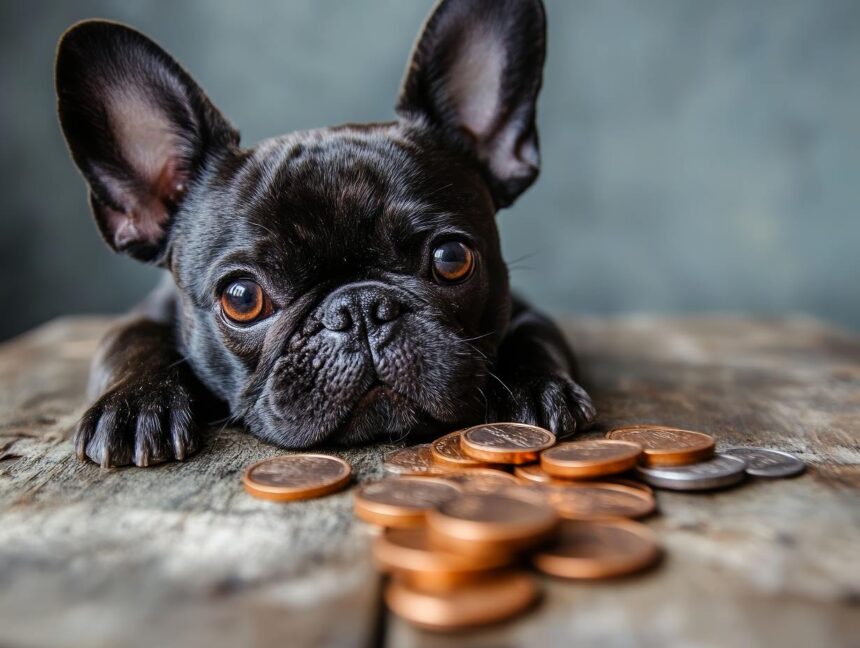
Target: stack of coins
(520, 500)
(460, 517)
(685, 460)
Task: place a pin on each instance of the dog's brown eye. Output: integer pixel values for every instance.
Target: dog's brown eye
(453, 261)
(243, 301)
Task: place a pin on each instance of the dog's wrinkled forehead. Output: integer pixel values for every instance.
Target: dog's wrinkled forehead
(313, 202)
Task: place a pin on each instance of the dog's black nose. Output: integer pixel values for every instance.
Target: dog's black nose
(367, 304)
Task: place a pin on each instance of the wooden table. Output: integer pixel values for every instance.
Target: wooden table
(179, 554)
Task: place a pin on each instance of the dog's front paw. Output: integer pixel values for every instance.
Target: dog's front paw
(145, 422)
(552, 401)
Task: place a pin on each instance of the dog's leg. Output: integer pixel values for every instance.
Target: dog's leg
(145, 395)
(536, 373)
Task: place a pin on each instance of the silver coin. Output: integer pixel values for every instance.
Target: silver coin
(768, 463)
(717, 472)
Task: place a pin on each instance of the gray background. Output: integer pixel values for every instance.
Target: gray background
(698, 156)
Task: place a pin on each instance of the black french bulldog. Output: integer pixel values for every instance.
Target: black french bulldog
(338, 285)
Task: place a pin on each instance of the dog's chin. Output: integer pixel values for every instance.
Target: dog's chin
(380, 414)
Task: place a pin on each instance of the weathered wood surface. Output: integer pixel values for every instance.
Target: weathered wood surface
(180, 555)
(174, 555)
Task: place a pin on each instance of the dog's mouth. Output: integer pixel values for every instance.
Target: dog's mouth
(325, 389)
(380, 401)
(377, 392)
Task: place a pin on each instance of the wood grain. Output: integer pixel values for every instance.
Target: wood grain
(180, 555)
(174, 555)
(769, 563)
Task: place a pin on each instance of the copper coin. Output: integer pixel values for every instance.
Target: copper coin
(438, 581)
(590, 458)
(402, 501)
(488, 600)
(409, 553)
(296, 476)
(532, 474)
(506, 443)
(484, 523)
(481, 479)
(447, 451)
(630, 483)
(666, 446)
(412, 460)
(598, 550)
(599, 501)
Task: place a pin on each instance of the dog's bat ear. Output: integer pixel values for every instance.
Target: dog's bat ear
(139, 129)
(475, 73)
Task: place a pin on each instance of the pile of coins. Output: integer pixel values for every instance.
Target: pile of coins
(464, 517)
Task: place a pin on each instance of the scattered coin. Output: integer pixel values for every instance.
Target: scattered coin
(488, 600)
(412, 460)
(588, 550)
(447, 451)
(529, 492)
(717, 472)
(402, 501)
(600, 501)
(296, 476)
(768, 463)
(534, 474)
(452, 573)
(408, 553)
(590, 458)
(481, 479)
(484, 523)
(666, 446)
(505, 443)
(630, 483)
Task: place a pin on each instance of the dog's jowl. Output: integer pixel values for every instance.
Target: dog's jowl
(338, 285)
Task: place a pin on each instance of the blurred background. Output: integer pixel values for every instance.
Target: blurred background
(697, 156)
